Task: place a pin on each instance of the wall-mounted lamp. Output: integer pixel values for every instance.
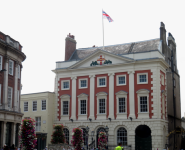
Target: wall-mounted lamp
(130, 118)
(109, 119)
(71, 120)
(3, 70)
(90, 119)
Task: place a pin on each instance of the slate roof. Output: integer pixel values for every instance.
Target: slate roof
(119, 49)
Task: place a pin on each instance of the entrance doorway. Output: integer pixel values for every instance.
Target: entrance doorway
(98, 131)
(143, 138)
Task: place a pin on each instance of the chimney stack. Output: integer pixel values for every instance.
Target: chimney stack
(163, 37)
(70, 46)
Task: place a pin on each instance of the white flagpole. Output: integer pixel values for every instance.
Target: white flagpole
(103, 29)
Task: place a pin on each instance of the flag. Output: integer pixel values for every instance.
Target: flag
(105, 15)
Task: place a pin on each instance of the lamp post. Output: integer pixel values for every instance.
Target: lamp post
(87, 131)
(107, 130)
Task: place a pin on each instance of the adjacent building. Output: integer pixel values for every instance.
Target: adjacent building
(130, 87)
(11, 58)
(39, 106)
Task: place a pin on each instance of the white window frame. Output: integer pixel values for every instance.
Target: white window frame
(82, 97)
(65, 97)
(138, 79)
(118, 80)
(41, 104)
(11, 96)
(102, 78)
(101, 95)
(32, 106)
(142, 93)
(80, 83)
(1, 62)
(62, 87)
(162, 79)
(38, 122)
(24, 107)
(9, 67)
(121, 94)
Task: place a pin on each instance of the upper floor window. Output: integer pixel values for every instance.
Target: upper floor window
(101, 106)
(101, 81)
(65, 85)
(142, 78)
(34, 105)
(65, 107)
(162, 79)
(122, 106)
(82, 83)
(38, 123)
(10, 71)
(43, 104)
(83, 107)
(9, 97)
(143, 104)
(1, 62)
(121, 80)
(25, 106)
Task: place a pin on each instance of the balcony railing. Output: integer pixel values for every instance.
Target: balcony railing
(6, 108)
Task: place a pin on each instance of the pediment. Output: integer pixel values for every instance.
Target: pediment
(100, 58)
(141, 91)
(65, 96)
(82, 95)
(101, 94)
(121, 93)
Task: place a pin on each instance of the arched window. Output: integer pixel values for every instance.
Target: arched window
(84, 135)
(66, 132)
(122, 136)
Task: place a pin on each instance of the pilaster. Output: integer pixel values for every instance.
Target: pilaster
(5, 84)
(15, 87)
(111, 95)
(131, 94)
(73, 113)
(13, 133)
(92, 96)
(3, 132)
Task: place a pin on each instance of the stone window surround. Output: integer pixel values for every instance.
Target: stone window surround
(105, 81)
(117, 79)
(140, 93)
(121, 94)
(65, 97)
(138, 81)
(101, 95)
(80, 83)
(62, 84)
(82, 96)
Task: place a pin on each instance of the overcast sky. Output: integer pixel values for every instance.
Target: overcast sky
(41, 27)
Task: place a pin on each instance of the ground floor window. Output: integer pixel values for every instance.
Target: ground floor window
(66, 132)
(122, 136)
(8, 134)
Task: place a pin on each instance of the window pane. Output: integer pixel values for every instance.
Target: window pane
(101, 81)
(65, 85)
(122, 80)
(9, 97)
(25, 106)
(34, 105)
(122, 136)
(101, 106)
(43, 104)
(66, 132)
(38, 123)
(122, 105)
(83, 83)
(83, 106)
(65, 107)
(143, 104)
(142, 78)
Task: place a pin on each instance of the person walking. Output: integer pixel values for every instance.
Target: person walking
(119, 147)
